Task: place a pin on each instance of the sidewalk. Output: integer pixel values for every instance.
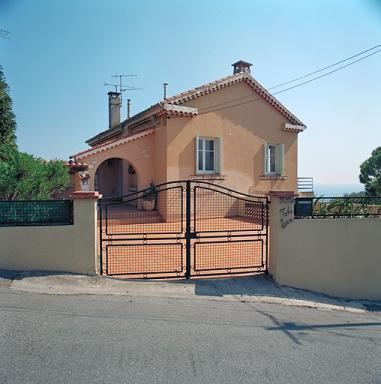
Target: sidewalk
(256, 289)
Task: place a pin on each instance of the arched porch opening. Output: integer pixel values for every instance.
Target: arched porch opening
(115, 177)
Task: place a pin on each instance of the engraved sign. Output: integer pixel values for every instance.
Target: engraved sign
(286, 212)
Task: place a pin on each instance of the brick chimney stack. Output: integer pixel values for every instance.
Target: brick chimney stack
(114, 104)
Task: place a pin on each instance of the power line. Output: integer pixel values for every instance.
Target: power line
(292, 87)
(323, 69)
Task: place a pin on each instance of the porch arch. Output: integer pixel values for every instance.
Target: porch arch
(115, 177)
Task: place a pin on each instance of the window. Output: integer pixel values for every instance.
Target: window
(273, 159)
(208, 156)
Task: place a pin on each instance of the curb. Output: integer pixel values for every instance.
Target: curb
(70, 284)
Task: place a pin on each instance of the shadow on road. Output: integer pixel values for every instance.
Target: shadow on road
(260, 285)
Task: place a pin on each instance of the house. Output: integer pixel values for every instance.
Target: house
(231, 131)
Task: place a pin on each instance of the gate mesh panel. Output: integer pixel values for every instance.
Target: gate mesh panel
(161, 214)
(217, 211)
(213, 256)
(129, 259)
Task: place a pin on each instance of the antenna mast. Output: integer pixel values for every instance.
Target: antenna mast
(121, 88)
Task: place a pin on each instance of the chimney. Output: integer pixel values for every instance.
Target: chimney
(128, 108)
(241, 66)
(114, 105)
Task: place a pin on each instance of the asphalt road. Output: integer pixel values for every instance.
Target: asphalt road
(111, 339)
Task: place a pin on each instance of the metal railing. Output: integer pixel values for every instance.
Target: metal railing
(36, 213)
(336, 207)
(305, 184)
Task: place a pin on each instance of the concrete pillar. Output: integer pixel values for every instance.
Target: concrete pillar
(281, 215)
(86, 220)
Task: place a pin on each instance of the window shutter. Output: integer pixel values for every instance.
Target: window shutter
(218, 155)
(266, 158)
(279, 159)
(196, 155)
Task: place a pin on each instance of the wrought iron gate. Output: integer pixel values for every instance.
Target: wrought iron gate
(183, 229)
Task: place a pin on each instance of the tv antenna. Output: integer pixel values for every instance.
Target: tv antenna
(121, 88)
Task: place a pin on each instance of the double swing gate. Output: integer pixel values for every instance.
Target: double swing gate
(183, 229)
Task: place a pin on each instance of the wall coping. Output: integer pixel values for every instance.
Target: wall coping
(86, 195)
(282, 193)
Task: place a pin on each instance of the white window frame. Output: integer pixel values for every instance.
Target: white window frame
(270, 159)
(204, 139)
(216, 155)
(275, 159)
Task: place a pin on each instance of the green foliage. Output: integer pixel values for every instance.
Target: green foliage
(25, 177)
(7, 117)
(346, 206)
(355, 194)
(370, 173)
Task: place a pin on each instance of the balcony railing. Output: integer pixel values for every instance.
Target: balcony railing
(305, 184)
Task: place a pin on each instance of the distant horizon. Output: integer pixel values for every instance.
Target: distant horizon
(337, 189)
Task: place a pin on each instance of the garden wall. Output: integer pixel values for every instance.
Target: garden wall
(340, 257)
(68, 248)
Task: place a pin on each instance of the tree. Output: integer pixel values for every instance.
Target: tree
(7, 117)
(26, 177)
(370, 173)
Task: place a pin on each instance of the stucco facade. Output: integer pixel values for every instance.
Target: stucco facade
(243, 131)
(160, 142)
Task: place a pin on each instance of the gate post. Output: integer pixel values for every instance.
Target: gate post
(281, 215)
(85, 202)
(188, 229)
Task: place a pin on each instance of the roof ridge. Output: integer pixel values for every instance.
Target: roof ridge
(232, 79)
(203, 86)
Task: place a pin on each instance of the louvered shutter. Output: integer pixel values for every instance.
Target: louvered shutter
(266, 159)
(218, 158)
(196, 155)
(279, 159)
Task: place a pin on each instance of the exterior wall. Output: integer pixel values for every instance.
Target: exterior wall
(69, 248)
(169, 154)
(160, 151)
(338, 257)
(244, 130)
(140, 153)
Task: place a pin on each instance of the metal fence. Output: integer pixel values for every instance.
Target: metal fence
(36, 213)
(335, 207)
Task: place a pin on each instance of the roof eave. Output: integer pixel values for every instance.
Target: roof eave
(294, 128)
(102, 147)
(105, 135)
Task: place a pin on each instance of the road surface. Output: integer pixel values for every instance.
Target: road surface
(121, 339)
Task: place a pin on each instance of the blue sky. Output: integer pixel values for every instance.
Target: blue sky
(61, 52)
